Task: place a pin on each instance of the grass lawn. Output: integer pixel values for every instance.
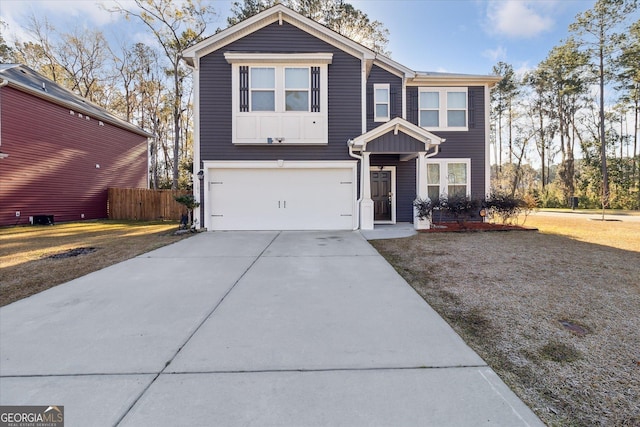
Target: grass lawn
(555, 313)
(26, 266)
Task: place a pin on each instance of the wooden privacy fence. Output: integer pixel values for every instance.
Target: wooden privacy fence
(143, 204)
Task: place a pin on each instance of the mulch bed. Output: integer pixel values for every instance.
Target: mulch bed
(73, 253)
(448, 227)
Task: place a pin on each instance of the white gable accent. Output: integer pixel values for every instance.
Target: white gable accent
(280, 13)
(396, 125)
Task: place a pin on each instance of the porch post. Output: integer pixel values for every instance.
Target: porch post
(366, 205)
(421, 191)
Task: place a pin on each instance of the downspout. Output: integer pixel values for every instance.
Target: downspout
(435, 153)
(3, 83)
(197, 177)
(355, 156)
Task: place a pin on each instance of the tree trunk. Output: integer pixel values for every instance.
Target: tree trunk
(510, 134)
(542, 148)
(603, 145)
(176, 125)
(635, 145)
(499, 144)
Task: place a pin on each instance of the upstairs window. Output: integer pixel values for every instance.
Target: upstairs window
(443, 108)
(430, 109)
(296, 84)
(263, 89)
(279, 89)
(456, 109)
(381, 102)
(279, 98)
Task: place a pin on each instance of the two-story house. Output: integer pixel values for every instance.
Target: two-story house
(300, 128)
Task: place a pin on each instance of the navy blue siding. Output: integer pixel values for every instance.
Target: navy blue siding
(344, 115)
(405, 183)
(377, 76)
(467, 145)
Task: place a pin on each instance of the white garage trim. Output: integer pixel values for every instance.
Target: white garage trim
(283, 179)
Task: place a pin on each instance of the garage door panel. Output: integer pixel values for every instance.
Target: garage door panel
(282, 199)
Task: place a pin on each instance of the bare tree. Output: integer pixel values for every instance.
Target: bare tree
(176, 27)
(83, 55)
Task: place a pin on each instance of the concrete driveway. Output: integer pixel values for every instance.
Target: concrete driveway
(248, 329)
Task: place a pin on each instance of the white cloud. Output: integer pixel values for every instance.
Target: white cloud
(520, 18)
(497, 54)
(64, 14)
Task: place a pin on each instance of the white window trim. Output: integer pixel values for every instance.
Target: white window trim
(279, 90)
(376, 87)
(285, 89)
(273, 89)
(442, 107)
(280, 62)
(444, 179)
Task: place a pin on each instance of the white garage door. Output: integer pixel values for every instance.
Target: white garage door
(281, 199)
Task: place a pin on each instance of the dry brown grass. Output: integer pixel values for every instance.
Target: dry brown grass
(617, 234)
(508, 294)
(26, 267)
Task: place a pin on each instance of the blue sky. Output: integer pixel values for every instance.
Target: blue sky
(462, 36)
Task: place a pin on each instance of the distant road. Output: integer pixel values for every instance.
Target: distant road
(590, 215)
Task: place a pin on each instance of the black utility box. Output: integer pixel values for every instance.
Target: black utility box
(43, 220)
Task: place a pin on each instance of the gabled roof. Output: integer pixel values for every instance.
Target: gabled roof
(280, 13)
(396, 125)
(26, 80)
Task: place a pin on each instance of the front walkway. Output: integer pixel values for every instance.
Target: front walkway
(244, 329)
(389, 231)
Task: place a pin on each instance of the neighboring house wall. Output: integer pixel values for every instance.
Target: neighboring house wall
(51, 168)
(344, 92)
(462, 144)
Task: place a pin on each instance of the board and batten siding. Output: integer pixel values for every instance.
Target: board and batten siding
(462, 144)
(344, 93)
(51, 168)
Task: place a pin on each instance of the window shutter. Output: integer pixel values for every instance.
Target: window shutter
(315, 89)
(394, 111)
(244, 88)
(412, 110)
(370, 105)
(471, 110)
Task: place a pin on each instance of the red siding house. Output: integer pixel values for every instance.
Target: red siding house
(59, 153)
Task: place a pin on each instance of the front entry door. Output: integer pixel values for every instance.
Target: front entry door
(381, 195)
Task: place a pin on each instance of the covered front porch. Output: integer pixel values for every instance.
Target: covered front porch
(393, 172)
